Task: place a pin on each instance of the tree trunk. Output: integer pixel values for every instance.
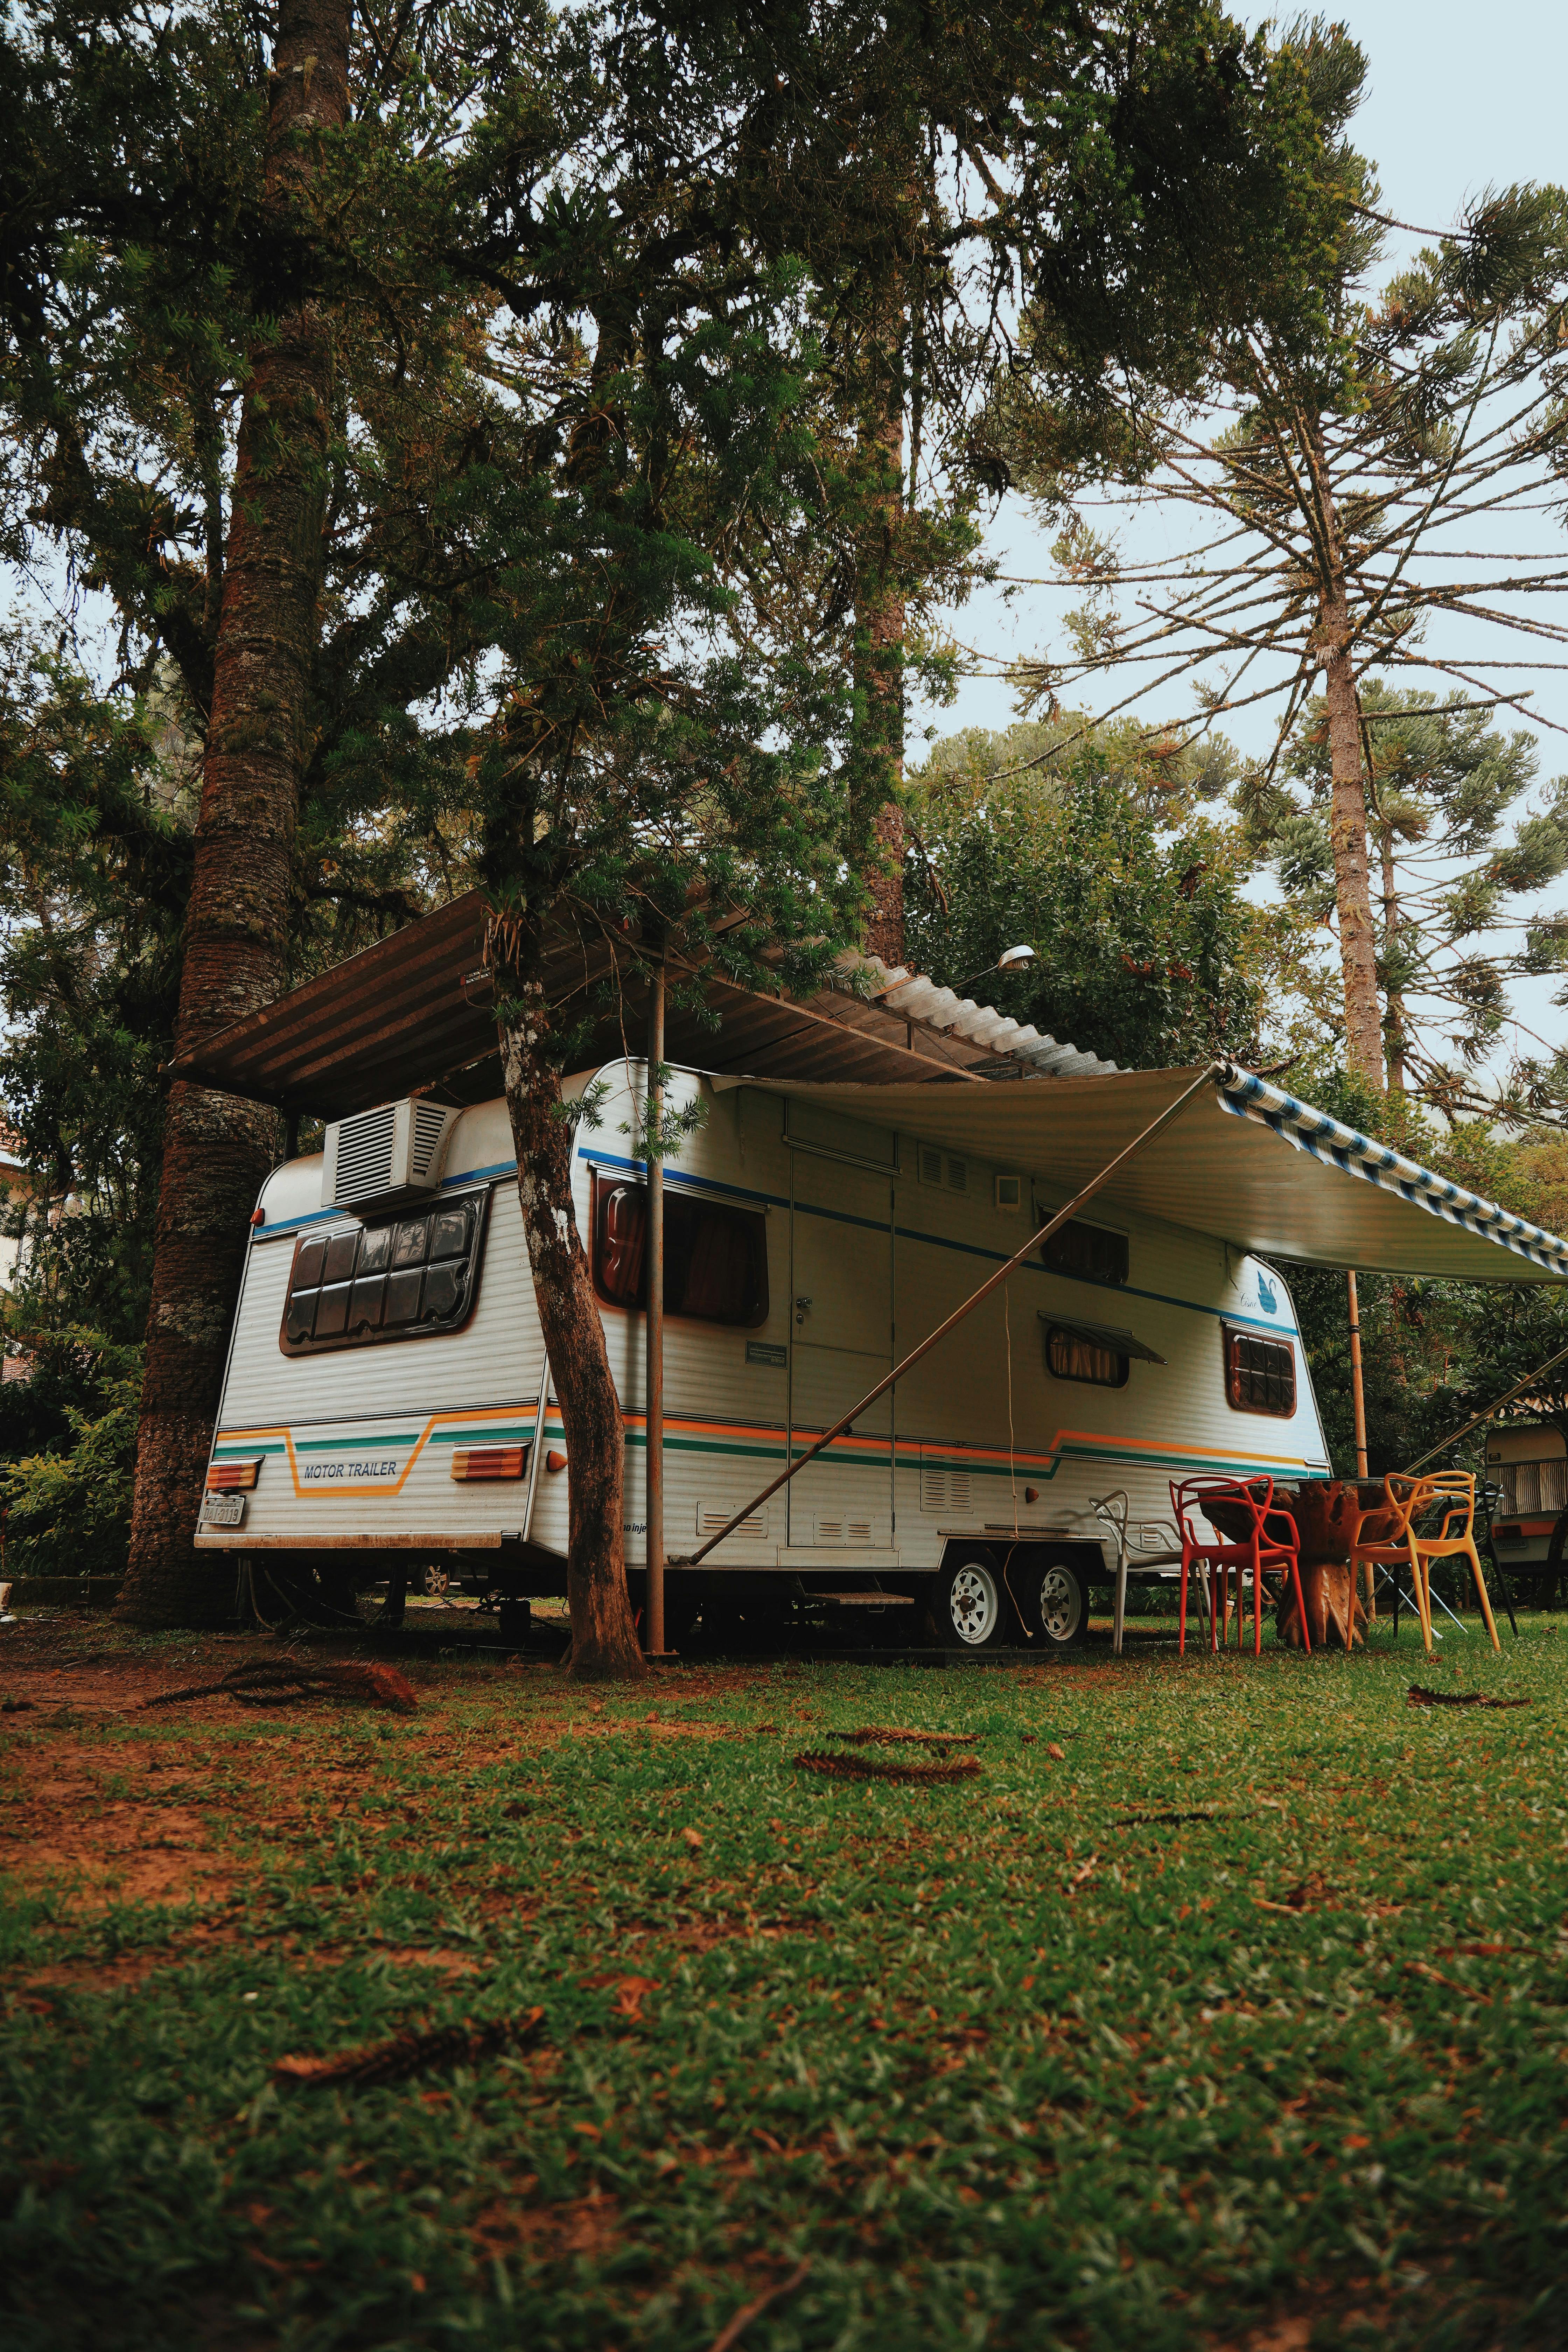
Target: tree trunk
(216, 1151)
(879, 642)
(1347, 812)
(1347, 832)
(604, 1635)
(1390, 950)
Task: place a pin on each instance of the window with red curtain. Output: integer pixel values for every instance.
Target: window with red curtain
(715, 1255)
(620, 1239)
(1260, 1374)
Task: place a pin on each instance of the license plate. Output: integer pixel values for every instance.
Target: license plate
(224, 1510)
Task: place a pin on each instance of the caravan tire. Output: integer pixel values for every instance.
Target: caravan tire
(973, 1610)
(1058, 1602)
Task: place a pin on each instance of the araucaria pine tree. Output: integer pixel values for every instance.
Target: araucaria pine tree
(1354, 477)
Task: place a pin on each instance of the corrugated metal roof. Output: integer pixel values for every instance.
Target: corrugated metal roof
(418, 1011)
(938, 1009)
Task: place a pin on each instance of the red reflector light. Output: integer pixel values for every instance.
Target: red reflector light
(483, 1462)
(228, 1474)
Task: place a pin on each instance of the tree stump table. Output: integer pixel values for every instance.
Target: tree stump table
(1330, 1513)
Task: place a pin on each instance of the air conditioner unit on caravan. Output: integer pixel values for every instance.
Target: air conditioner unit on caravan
(385, 1155)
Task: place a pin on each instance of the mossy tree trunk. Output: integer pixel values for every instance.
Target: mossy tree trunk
(217, 1151)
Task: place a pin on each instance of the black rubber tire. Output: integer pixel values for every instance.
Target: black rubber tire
(973, 1610)
(1057, 1600)
(682, 1607)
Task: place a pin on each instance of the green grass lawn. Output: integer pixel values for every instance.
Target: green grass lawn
(1009, 2064)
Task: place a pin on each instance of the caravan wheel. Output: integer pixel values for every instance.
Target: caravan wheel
(1060, 1598)
(972, 1604)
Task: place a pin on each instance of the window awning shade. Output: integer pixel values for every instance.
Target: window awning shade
(1102, 1335)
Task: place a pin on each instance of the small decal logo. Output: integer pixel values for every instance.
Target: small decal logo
(1266, 1297)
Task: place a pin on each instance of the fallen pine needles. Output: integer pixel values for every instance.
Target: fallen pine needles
(402, 2054)
(270, 1685)
(1419, 1695)
(883, 1736)
(871, 1767)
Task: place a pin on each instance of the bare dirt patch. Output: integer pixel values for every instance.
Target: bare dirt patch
(62, 1828)
(588, 2225)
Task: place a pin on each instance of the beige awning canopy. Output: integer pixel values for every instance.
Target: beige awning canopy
(1243, 1162)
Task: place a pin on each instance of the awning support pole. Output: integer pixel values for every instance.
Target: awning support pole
(655, 1256)
(538, 1446)
(1036, 1241)
(1358, 1410)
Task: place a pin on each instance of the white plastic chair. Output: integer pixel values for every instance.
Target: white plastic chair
(1112, 1510)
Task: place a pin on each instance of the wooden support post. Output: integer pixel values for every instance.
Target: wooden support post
(654, 1630)
(1358, 1409)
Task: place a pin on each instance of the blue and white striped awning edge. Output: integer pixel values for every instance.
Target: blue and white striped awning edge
(1323, 1138)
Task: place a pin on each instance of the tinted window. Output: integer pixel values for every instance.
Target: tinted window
(715, 1256)
(403, 1278)
(1088, 1251)
(1071, 1357)
(1260, 1374)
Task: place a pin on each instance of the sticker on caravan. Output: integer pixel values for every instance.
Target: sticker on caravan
(331, 1459)
(350, 1469)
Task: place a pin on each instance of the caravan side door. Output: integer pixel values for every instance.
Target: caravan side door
(841, 1344)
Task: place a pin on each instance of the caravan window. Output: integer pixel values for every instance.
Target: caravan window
(1072, 1357)
(405, 1277)
(1088, 1251)
(1260, 1374)
(715, 1256)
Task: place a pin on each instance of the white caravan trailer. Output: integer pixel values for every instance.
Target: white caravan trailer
(385, 1391)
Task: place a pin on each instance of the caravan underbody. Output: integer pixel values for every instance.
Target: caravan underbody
(386, 1397)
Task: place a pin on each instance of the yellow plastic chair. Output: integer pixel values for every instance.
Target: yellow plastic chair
(1408, 1500)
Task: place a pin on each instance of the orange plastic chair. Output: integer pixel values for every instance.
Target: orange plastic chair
(1450, 1492)
(1270, 1540)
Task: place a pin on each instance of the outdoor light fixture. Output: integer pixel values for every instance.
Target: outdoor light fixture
(1016, 959)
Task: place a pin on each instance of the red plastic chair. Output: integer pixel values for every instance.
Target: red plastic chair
(1270, 1540)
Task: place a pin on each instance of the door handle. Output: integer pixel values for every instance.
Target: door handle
(802, 1309)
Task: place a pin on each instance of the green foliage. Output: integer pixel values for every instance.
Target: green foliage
(67, 1504)
(96, 807)
(1146, 953)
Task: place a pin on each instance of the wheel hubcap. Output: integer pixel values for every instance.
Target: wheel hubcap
(974, 1603)
(1061, 1604)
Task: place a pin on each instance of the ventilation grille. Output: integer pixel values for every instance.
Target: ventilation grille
(382, 1155)
(431, 1122)
(941, 1169)
(366, 1146)
(844, 1531)
(946, 1490)
(711, 1516)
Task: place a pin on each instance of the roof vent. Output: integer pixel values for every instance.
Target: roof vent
(386, 1154)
